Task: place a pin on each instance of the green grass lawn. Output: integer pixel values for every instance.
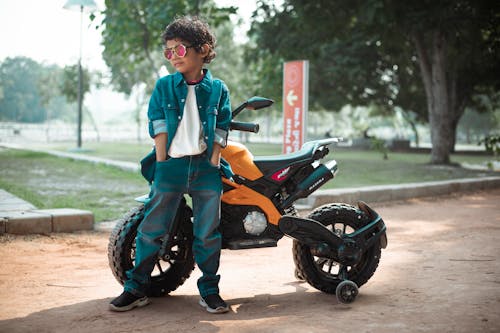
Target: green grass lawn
(365, 168)
(356, 168)
(51, 182)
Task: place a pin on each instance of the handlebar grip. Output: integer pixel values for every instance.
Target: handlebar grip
(245, 127)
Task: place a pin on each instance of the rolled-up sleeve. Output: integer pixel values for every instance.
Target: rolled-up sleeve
(157, 127)
(223, 118)
(156, 117)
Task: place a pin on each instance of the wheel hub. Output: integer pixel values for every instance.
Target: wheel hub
(349, 253)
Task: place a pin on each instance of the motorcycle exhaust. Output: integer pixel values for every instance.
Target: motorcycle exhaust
(315, 180)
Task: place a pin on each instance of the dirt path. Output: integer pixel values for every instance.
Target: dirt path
(440, 273)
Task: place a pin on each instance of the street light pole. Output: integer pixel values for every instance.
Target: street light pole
(80, 86)
(87, 6)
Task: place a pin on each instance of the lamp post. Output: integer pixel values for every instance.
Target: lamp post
(87, 6)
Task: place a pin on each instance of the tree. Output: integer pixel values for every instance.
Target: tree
(34, 92)
(458, 50)
(228, 64)
(20, 100)
(132, 36)
(391, 53)
(52, 100)
(69, 83)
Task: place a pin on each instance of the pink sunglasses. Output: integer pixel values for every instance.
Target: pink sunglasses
(180, 50)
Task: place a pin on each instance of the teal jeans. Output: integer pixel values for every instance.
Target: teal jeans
(196, 176)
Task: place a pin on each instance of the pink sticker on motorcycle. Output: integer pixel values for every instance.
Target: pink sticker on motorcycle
(281, 175)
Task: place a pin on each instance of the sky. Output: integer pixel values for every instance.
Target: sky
(46, 32)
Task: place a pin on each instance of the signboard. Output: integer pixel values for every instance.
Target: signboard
(295, 104)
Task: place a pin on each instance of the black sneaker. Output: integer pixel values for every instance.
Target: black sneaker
(214, 304)
(127, 301)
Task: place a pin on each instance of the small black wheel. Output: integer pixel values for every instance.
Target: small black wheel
(346, 292)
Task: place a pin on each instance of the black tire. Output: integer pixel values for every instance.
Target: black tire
(167, 275)
(323, 273)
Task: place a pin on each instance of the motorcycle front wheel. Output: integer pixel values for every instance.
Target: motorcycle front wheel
(170, 271)
(325, 274)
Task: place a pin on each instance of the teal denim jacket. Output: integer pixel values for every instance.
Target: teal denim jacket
(166, 108)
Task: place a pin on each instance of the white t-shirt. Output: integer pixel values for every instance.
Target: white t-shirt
(188, 139)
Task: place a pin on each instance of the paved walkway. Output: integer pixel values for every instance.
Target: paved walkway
(19, 216)
(9, 202)
(76, 156)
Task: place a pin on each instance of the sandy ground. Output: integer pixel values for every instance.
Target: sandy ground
(440, 273)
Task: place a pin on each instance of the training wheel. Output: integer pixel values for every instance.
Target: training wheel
(346, 292)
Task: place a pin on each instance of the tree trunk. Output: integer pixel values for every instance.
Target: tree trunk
(413, 124)
(415, 132)
(453, 135)
(439, 93)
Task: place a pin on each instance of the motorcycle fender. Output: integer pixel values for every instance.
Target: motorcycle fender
(373, 215)
(383, 241)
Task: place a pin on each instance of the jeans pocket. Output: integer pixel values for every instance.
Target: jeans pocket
(164, 162)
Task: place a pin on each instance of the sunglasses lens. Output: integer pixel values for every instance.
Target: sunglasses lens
(180, 50)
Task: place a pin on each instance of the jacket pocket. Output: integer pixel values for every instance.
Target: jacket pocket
(172, 114)
(212, 117)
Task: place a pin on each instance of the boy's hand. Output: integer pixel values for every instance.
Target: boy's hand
(215, 159)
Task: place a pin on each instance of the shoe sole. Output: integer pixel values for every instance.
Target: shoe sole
(137, 304)
(220, 309)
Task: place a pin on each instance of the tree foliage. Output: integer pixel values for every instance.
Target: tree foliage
(21, 100)
(229, 65)
(131, 32)
(429, 57)
(32, 92)
(69, 83)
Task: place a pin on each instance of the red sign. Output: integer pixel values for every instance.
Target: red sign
(295, 104)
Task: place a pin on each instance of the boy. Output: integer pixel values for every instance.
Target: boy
(188, 135)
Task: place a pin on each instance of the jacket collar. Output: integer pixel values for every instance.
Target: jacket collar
(205, 84)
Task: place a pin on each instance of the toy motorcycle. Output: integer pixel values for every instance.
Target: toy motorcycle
(336, 249)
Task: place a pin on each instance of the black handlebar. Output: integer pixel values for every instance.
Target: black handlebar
(254, 103)
(245, 127)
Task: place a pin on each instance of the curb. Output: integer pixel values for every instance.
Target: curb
(384, 193)
(45, 221)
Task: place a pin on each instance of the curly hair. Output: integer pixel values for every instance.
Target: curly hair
(194, 31)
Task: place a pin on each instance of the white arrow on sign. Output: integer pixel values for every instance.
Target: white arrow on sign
(291, 97)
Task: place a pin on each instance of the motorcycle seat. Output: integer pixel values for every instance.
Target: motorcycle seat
(269, 164)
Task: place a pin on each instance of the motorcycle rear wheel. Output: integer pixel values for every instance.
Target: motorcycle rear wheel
(169, 274)
(325, 273)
